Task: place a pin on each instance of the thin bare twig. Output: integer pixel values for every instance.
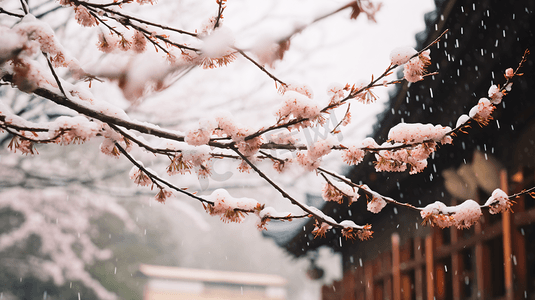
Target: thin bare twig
(41, 141)
(260, 67)
(139, 143)
(220, 9)
(125, 16)
(524, 192)
(284, 193)
(155, 178)
(373, 83)
(368, 193)
(55, 75)
(25, 8)
(20, 128)
(3, 11)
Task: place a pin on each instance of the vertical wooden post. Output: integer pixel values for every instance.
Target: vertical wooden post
(480, 264)
(368, 271)
(456, 267)
(507, 249)
(418, 273)
(429, 269)
(520, 268)
(482, 260)
(360, 293)
(387, 288)
(348, 285)
(396, 273)
(386, 269)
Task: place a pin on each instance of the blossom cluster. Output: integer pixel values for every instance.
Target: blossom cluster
(139, 177)
(353, 155)
(311, 159)
(111, 137)
(337, 192)
(38, 36)
(200, 159)
(188, 159)
(109, 43)
(25, 40)
(228, 127)
(84, 17)
(77, 129)
(498, 202)
(376, 203)
(283, 138)
(217, 48)
(201, 135)
(414, 67)
(230, 209)
(399, 160)
(462, 216)
(362, 93)
(24, 146)
(302, 89)
(301, 108)
(320, 229)
(64, 131)
(336, 92)
(482, 112)
(495, 94)
(349, 230)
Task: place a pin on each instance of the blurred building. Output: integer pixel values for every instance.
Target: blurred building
(494, 259)
(166, 283)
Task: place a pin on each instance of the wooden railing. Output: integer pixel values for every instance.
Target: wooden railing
(488, 261)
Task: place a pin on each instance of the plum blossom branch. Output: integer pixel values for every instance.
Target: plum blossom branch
(152, 178)
(423, 143)
(221, 8)
(369, 193)
(530, 191)
(5, 125)
(432, 43)
(100, 5)
(346, 227)
(354, 91)
(33, 139)
(56, 78)
(437, 213)
(140, 143)
(127, 22)
(129, 17)
(93, 113)
(408, 145)
(261, 68)
(373, 82)
(155, 178)
(271, 182)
